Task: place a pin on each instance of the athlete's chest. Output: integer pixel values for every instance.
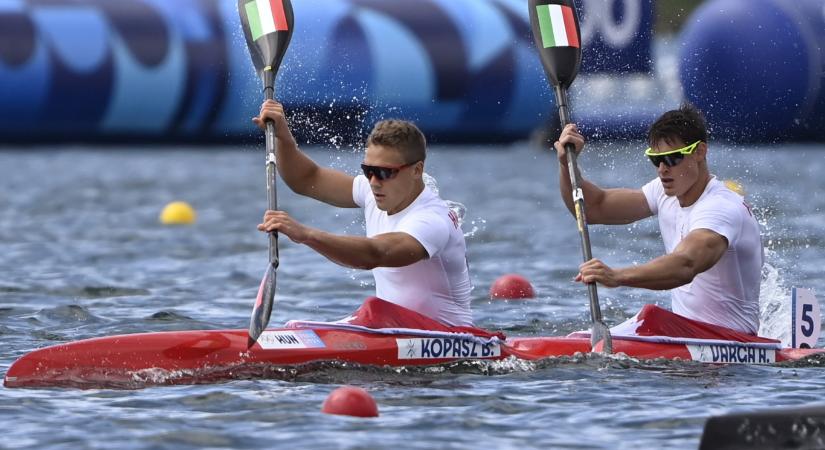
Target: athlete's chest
(674, 222)
(378, 222)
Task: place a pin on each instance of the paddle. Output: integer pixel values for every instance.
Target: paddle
(267, 26)
(557, 37)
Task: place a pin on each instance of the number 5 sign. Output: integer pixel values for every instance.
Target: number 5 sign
(806, 320)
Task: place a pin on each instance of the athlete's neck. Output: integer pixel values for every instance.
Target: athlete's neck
(414, 193)
(692, 195)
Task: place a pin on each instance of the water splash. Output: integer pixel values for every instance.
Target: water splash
(458, 208)
(431, 183)
(774, 305)
(774, 294)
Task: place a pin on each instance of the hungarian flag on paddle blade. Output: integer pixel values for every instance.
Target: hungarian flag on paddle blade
(558, 27)
(265, 16)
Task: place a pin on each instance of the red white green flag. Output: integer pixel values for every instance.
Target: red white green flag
(558, 26)
(265, 16)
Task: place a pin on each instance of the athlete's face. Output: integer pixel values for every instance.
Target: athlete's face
(679, 179)
(395, 193)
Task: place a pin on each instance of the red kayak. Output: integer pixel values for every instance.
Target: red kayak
(190, 357)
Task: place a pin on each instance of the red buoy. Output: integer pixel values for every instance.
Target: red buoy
(511, 286)
(350, 401)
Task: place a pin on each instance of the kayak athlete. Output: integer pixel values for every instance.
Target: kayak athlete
(714, 252)
(413, 245)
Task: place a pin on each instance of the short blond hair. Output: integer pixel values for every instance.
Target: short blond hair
(400, 135)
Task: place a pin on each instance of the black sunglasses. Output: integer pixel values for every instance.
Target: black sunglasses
(383, 173)
(671, 157)
(669, 160)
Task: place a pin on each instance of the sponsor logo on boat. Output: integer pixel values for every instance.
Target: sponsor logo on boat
(441, 348)
(271, 339)
(736, 354)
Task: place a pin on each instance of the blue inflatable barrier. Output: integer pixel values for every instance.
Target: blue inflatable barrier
(179, 70)
(757, 68)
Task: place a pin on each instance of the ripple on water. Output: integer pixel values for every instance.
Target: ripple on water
(68, 314)
(168, 316)
(6, 311)
(111, 291)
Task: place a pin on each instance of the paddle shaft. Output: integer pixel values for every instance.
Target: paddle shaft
(271, 167)
(578, 201)
(266, 293)
(267, 46)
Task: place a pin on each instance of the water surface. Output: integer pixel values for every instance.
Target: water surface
(85, 256)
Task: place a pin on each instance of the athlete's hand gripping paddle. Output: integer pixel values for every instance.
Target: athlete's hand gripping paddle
(267, 25)
(557, 37)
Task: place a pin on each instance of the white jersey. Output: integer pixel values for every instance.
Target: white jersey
(437, 287)
(727, 294)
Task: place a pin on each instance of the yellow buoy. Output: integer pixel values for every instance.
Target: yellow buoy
(178, 213)
(735, 186)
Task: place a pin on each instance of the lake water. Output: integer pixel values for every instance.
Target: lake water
(83, 255)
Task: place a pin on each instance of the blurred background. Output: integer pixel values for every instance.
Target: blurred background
(142, 71)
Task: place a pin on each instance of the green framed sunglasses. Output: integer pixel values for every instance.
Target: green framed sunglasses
(670, 157)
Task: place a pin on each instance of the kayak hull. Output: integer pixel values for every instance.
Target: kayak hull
(188, 357)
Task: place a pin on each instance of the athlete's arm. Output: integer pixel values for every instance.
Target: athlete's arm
(301, 173)
(602, 206)
(696, 253)
(395, 249)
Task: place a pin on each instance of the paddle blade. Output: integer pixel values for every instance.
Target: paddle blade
(267, 26)
(600, 339)
(557, 36)
(263, 306)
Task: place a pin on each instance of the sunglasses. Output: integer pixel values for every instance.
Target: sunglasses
(383, 173)
(670, 157)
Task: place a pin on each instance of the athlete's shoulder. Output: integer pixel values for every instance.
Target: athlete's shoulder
(436, 212)
(361, 192)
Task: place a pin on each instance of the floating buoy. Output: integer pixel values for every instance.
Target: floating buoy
(350, 401)
(511, 286)
(178, 213)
